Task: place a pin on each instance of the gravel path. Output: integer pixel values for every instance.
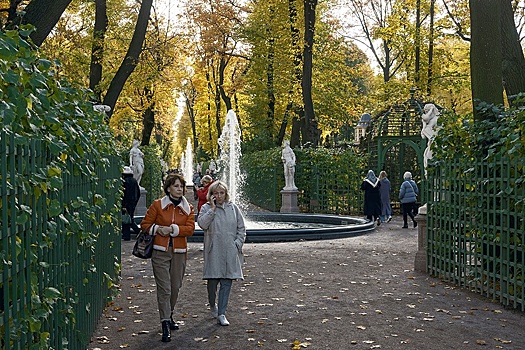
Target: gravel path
(352, 293)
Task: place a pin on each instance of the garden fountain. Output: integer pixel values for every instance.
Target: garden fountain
(276, 227)
(187, 163)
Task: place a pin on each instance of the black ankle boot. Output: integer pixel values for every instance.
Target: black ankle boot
(173, 325)
(166, 335)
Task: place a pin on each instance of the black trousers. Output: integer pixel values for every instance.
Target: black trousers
(408, 210)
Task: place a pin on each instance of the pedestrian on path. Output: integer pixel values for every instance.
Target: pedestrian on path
(384, 191)
(372, 206)
(202, 192)
(224, 235)
(408, 197)
(170, 219)
(130, 199)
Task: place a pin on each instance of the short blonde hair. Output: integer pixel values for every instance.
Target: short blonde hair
(207, 179)
(216, 185)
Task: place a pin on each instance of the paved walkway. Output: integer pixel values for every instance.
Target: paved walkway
(352, 293)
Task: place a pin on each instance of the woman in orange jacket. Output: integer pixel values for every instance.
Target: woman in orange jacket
(170, 219)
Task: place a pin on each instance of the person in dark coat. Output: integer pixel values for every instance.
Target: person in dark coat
(384, 190)
(372, 207)
(129, 202)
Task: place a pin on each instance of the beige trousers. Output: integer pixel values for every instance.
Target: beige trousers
(168, 269)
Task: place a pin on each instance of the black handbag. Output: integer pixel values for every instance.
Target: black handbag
(143, 247)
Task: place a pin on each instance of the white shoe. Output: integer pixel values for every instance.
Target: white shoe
(214, 311)
(222, 320)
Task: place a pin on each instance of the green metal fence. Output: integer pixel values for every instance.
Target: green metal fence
(322, 189)
(476, 227)
(56, 274)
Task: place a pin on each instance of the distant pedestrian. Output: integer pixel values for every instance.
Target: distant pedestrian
(384, 191)
(224, 235)
(202, 192)
(408, 197)
(171, 220)
(372, 205)
(130, 198)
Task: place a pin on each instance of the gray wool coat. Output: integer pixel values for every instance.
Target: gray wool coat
(224, 235)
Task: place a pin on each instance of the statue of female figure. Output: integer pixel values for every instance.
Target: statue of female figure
(429, 130)
(288, 158)
(136, 161)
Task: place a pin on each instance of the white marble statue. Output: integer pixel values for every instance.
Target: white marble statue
(429, 130)
(212, 167)
(102, 108)
(136, 161)
(288, 158)
(430, 117)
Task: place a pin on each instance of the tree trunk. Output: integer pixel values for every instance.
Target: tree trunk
(309, 16)
(222, 67)
(97, 51)
(131, 59)
(296, 78)
(485, 54)
(295, 139)
(44, 15)
(417, 73)
(270, 71)
(513, 64)
(190, 103)
(148, 117)
(430, 49)
(210, 93)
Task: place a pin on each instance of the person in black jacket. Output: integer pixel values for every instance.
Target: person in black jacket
(129, 202)
(372, 207)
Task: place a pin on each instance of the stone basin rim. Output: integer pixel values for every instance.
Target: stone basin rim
(343, 226)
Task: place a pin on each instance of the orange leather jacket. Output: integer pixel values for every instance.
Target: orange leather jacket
(162, 212)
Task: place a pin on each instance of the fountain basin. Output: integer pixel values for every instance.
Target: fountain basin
(307, 227)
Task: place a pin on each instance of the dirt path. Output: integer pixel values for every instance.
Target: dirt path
(352, 293)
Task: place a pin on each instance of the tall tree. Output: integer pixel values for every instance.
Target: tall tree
(309, 126)
(513, 64)
(486, 53)
(44, 15)
(97, 50)
(131, 59)
(373, 19)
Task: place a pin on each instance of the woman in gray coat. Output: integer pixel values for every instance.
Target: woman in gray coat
(224, 235)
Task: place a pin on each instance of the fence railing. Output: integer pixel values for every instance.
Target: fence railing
(57, 271)
(476, 227)
(322, 189)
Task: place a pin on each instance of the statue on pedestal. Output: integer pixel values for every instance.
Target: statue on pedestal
(288, 158)
(136, 161)
(429, 130)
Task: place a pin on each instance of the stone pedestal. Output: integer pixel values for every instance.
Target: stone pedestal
(140, 210)
(420, 262)
(289, 199)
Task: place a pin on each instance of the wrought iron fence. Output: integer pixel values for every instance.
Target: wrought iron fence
(56, 274)
(476, 227)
